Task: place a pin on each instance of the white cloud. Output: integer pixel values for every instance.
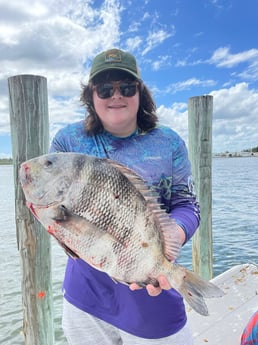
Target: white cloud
(235, 118)
(155, 38)
(162, 61)
(59, 40)
(188, 84)
(16, 11)
(133, 43)
(175, 117)
(251, 72)
(64, 111)
(237, 102)
(223, 58)
(134, 27)
(55, 39)
(146, 15)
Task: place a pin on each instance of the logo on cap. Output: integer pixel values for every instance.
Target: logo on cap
(113, 56)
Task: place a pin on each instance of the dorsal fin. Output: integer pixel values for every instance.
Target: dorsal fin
(165, 225)
(132, 176)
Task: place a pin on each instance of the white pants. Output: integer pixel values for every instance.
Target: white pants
(81, 328)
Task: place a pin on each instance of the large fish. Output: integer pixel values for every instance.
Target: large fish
(104, 213)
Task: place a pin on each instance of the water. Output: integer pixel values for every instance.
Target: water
(234, 213)
(235, 228)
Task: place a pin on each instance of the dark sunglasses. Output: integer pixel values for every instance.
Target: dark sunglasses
(106, 90)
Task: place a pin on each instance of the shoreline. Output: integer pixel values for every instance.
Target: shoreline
(9, 161)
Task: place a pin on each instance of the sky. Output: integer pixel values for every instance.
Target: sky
(184, 48)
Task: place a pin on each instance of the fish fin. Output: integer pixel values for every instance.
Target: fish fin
(194, 289)
(70, 220)
(63, 217)
(170, 236)
(81, 229)
(132, 176)
(67, 250)
(61, 213)
(66, 218)
(167, 227)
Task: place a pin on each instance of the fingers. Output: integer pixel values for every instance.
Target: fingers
(164, 283)
(134, 287)
(152, 290)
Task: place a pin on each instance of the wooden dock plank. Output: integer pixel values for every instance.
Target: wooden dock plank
(230, 313)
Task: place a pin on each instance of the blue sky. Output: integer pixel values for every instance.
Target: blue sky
(183, 48)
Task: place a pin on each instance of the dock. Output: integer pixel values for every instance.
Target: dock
(229, 314)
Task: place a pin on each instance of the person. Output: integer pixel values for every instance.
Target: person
(250, 332)
(121, 124)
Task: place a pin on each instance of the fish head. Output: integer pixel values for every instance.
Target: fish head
(46, 179)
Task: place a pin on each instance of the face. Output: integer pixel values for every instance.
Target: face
(117, 113)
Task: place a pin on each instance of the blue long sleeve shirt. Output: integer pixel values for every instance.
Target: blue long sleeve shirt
(160, 158)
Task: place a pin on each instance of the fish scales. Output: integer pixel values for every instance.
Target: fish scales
(104, 213)
(107, 192)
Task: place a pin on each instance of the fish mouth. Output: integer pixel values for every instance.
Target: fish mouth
(30, 203)
(35, 208)
(32, 209)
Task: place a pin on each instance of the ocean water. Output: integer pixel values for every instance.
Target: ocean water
(235, 239)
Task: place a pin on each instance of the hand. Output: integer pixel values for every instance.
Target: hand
(152, 290)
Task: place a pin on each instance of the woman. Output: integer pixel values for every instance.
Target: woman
(121, 124)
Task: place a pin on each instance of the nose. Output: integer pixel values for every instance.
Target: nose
(117, 92)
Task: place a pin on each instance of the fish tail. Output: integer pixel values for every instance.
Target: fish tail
(194, 289)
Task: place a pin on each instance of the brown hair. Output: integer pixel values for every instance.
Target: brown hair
(146, 115)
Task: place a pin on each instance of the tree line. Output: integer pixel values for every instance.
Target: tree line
(8, 161)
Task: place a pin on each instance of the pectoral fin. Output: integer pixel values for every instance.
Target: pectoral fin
(94, 245)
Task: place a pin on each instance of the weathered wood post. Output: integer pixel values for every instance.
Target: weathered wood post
(30, 138)
(200, 111)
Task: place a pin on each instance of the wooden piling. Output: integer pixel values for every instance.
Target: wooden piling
(30, 138)
(200, 111)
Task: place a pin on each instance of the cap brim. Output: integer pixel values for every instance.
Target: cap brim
(113, 68)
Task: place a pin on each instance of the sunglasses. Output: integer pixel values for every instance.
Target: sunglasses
(126, 89)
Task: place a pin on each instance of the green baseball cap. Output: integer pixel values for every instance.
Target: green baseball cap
(114, 59)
